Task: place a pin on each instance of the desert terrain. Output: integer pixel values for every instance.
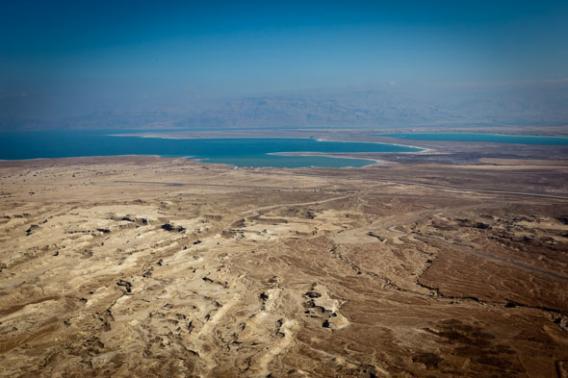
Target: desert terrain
(143, 266)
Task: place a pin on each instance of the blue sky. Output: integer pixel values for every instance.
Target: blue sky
(215, 48)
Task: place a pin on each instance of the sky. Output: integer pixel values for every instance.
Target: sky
(111, 50)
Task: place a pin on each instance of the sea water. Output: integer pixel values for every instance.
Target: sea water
(242, 152)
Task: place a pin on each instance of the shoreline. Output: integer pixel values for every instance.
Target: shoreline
(318, 139)
(205, 160)
(198, 160)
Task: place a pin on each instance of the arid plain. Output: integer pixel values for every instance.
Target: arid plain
(142, 266)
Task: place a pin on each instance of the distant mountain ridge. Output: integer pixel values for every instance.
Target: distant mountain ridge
(389, 106)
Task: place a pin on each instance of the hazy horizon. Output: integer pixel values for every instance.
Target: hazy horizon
(79, 64)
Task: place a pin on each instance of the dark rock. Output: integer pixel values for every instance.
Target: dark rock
(369, 371)
(31, 229)
(482, 226)
(312, 294)
(147, 274)
(130, 218)
(279, 332)
(104, 230)
(527, 239)
(430, 360)
(326, 324)
(126, 285)
(171, 228)
(464, 222)
(562, 322)
(372, 234)
(511, 304)
(239, 224)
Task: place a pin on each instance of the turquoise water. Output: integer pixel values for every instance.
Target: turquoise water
(480, 137)
(243, 152)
